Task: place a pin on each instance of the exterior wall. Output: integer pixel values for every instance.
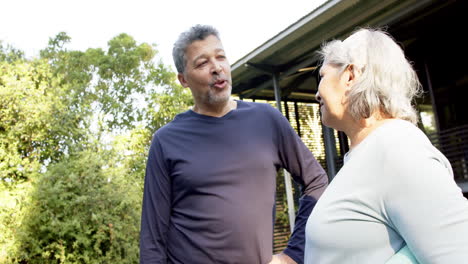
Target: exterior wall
(435, 45)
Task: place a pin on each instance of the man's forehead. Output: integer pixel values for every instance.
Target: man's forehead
(203, 47)
(209, 40)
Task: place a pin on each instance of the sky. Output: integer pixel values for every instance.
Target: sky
(243, 24)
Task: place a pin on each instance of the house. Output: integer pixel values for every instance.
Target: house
(283, 71)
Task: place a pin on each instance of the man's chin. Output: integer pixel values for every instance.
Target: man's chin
(219, 98)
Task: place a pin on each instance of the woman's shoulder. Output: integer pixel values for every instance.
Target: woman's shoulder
(403, 142)
(402, 133)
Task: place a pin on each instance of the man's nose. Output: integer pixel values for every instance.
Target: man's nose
(217, 68)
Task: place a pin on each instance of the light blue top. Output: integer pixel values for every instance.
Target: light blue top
(403, 256)
(395, 188)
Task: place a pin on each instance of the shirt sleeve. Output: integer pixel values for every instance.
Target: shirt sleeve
(297, 159)
(425, 206)
(156, 208)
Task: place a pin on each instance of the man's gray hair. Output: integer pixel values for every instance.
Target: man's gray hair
(387, 81)
(197, 32)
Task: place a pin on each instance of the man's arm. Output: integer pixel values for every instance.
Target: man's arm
(306, 171)
(296, 243)
(282, 258)
(156, 208)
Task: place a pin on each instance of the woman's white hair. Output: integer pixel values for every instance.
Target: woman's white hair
(386, 81)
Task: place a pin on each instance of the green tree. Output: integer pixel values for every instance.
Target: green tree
(119, 84)
(49, 105)
(165, 105)
(83, 210)
(12, 200)
(9, 53)
(75, 129)
(35, 126)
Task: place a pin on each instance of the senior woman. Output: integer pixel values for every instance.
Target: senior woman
(395, 188)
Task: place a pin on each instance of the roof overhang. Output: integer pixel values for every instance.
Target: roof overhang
(291, 54)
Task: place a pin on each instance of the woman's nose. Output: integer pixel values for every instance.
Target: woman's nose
(318, 97)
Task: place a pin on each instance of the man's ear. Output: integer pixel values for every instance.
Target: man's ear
(182, 80)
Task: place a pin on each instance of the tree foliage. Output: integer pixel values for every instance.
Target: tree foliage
(9, 53)
(13, 201)
(50, 105)
(114, 83)
(75, 128)
(81, 211)
(35, 126)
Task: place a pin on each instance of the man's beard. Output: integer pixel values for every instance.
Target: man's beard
(214, 99)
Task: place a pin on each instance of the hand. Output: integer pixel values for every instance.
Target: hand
(282, 258)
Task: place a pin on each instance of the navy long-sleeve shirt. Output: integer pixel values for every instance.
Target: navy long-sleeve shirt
(210, 187)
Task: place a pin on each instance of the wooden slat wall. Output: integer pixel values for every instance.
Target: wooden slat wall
(453, 143)
(281, 232)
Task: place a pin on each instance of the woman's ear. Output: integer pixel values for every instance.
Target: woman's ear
(351, 74)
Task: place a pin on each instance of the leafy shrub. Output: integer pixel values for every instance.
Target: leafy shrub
(11, 200)
(81, 211)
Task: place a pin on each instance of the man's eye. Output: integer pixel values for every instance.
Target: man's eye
(200, 64)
